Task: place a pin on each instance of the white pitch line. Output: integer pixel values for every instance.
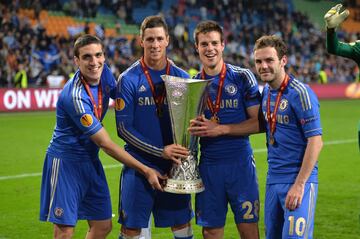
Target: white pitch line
(262, 150)
(28, 175)
(334, 142)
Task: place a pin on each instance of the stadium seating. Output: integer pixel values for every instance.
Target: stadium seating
(243, 23)
(57, 23)
(352, 24)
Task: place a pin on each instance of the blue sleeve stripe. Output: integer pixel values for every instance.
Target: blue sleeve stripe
(138, 143)
(303, 93)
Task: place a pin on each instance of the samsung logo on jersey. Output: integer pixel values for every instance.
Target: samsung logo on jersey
(281, 119)
(144, 101)
(229, 103)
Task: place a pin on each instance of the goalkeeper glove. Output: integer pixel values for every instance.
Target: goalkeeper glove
(333, 18)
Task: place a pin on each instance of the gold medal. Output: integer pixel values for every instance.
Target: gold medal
(215, 119)
(272, 140)
(271, 116)
(214, 108)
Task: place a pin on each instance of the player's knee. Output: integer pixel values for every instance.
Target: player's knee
(63, 232)
(106, 229)
(64, 235)
(248, 230)
(213, 232)
(182, 231)
(101, 230)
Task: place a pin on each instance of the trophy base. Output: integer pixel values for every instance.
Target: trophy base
(184, 186)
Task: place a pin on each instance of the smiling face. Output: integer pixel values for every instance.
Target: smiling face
(90, 61)
(269, 67)
(154, 41)
(210, 49)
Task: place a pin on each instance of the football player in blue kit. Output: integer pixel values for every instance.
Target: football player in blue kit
(293, 132)
(143, 122)
(73, 181)
(227, 165)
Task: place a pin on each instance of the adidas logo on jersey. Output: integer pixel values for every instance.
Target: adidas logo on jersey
(142, 88)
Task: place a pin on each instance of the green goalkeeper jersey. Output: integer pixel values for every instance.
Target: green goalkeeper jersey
(349, 50)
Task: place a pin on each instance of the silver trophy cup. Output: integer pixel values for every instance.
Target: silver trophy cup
(186, 100)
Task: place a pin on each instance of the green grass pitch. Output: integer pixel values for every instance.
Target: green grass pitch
(24, 138)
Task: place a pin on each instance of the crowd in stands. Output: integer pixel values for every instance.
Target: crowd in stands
(27, 51)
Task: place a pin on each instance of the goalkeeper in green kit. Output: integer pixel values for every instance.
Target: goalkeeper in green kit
(333, 18)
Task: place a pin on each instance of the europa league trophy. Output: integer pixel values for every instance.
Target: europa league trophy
(186, 100)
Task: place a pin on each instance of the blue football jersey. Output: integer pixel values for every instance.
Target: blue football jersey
(297, 119)
(240, 91)
(138, 124)
(75, 118)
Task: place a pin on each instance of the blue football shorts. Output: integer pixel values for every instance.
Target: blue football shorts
(138, 200)
(232, 183)
(73, 190)
(283, 223)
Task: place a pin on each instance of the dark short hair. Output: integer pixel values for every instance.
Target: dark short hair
(151, 22)
(85, 40)
(208, 26)
(272, 41)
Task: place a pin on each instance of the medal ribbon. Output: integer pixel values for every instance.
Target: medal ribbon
(215, 108)
(271, 117)
(97, 109)
(159, 99)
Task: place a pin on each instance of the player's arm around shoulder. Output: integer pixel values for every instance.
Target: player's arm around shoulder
(252, 125)
(252, 101)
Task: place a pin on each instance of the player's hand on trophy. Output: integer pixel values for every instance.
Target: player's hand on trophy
(333, 18)
(203, 127)
(155, 179)
(175, 152)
